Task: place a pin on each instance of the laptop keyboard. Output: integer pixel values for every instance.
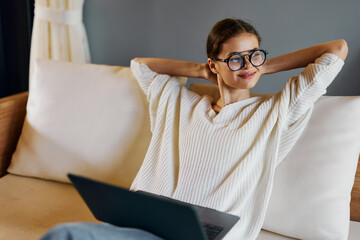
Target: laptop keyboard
(211, 230)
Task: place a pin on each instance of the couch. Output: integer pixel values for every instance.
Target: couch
(31, 202)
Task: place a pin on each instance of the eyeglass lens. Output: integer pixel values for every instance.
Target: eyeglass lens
(237, 61)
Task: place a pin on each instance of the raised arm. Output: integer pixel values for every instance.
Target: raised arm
(304, 57)
(179, 68)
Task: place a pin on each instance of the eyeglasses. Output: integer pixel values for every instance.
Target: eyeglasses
(236, 61)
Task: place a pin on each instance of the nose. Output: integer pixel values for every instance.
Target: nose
(247, 62)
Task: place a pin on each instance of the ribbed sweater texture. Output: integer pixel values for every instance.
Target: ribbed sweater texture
(225, 161)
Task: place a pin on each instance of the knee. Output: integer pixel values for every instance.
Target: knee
(66, 231)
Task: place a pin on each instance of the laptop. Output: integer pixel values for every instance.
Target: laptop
(167, 218)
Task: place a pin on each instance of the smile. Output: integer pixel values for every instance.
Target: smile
(247, 75)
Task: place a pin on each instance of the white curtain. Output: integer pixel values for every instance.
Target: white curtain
(58, 32)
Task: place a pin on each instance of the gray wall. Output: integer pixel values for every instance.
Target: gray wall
(119, 30)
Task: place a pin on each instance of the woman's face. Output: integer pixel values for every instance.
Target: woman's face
(246, 77)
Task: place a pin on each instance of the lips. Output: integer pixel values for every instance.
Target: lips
(247, 75)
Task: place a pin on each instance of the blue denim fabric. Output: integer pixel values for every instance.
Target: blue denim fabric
(85, 231)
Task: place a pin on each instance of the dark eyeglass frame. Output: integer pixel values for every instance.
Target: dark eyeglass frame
(243, 58)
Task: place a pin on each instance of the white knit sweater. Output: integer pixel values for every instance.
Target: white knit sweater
(225, 161)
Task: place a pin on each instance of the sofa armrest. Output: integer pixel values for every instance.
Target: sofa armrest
(12, 115)
(355, 197)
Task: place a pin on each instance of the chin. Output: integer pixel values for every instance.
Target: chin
(242, 83)
(243, 86)
(246, 83)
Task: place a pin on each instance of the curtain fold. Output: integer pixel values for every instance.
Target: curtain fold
(59, 32)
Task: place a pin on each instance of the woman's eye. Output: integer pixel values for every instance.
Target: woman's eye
(235, 60)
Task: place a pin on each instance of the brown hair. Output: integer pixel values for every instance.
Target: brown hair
(224, 30)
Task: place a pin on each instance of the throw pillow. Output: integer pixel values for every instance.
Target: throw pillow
(312, 185)
(83, 118)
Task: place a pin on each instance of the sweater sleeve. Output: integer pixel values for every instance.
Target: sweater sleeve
(143, 74)
(298, 97)
(300, 92)
(162, 91)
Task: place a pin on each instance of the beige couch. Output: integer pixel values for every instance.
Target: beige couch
(31, 206)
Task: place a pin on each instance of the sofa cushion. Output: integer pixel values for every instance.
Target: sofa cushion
(267, 235)
(354, 233)
(85, 119)
(312, 186)
(30, 207)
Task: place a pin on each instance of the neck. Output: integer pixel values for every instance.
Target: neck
(230, 95)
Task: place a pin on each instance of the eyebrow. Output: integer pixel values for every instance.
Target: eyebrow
(242, 52)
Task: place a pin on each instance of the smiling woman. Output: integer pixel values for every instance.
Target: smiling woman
(223, 153)
(229, 148)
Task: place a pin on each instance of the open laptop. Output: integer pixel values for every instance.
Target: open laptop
(167, 218)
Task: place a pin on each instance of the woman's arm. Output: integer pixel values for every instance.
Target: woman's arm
(304, 57)
(178, 68)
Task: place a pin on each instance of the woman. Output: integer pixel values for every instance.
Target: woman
(222, 153)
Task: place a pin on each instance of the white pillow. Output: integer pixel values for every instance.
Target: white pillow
(83, 118)
(312, 186)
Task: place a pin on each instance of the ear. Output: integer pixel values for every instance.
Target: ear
(212, 66)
